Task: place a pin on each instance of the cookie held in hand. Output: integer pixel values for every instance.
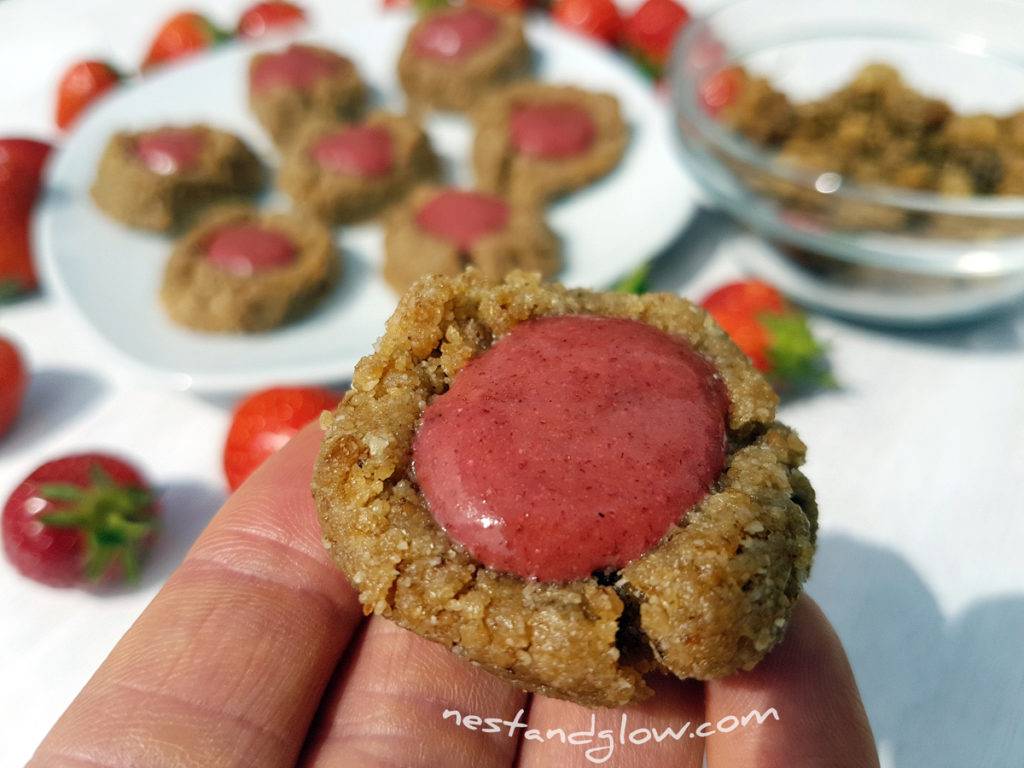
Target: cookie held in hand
(689, 553)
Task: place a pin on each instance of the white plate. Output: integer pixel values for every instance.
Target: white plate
(110, 274)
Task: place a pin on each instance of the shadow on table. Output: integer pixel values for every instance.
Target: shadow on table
(939, 693)
(54, 399)
(193, 505)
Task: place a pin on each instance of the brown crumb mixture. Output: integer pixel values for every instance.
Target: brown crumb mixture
(877, 130)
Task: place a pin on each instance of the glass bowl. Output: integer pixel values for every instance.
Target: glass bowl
(871, 251)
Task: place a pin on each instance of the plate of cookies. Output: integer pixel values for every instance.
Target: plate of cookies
(251, 217)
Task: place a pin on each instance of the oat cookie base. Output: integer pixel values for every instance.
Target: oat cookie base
(130, 192)
(526, 243)
(535, 181)
(711, 598)
(340, 199)
(283, 110)
(199, 295)
(457, 85)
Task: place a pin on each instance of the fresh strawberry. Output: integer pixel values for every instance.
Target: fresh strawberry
(269, 17)
(78, 520)
(266, 420)
(13, 380)
(21, 167)
(596, 18)
(81, 85)
(648, 33)
(184, 34)
(771, 332)
(721, 89)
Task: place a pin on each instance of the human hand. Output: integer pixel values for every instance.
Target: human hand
(256, 652)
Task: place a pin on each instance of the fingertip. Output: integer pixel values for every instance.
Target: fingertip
(800, 706)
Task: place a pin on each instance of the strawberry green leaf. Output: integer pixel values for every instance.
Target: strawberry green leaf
(796, 358)
(635, 281)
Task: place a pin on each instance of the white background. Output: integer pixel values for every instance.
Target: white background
(918, 460)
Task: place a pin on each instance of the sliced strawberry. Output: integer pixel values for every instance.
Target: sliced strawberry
(269, 17)
(80, 520)
(182, 35)
(771, 332)
(82, 84)
(649, 32)
(266, 420)
(21, 167)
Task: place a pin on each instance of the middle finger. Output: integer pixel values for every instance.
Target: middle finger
(657, 732)
(403, 700)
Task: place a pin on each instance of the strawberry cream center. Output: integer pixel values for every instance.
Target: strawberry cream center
(169, 150)
(462, 218)
(296, 66)
(363, 150)
(551, 130)
(572, 445)
(245, 249)
(456, 35)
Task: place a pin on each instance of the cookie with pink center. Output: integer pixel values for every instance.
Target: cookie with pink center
(300, 83)
(454, 56)
(241, 270)
(535, 141)
(162, 179)
(346, 172)
(443, 230)
(571, 489)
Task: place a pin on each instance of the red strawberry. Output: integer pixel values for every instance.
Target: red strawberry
(80, 519)
(79, 86)
(595, 18)
(184, 34)
(13, 380)
(771, 332)
(21, 167)
(649, 32)
(266, 420)
(268, 17)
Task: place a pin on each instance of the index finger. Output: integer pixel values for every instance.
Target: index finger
(798, 707)
(228, 663)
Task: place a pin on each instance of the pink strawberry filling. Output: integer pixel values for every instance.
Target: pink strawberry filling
(169, 150)
(456, 35)
(245, 249)
(362, 150)
(462, 218)
(551, 130)
(297, 66)
(572, 445)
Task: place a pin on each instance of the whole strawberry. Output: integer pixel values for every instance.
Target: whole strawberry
(598, 19)
(266, 420)
(649, 32)
(80, 85)
(771, 332)
(13, 383)
(21, 171)
(184, 34)
(79, 520)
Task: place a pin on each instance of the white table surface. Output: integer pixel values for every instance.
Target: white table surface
(918, 461)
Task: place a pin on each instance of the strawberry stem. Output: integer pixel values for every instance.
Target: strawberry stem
(115, 521)
(795, 356)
